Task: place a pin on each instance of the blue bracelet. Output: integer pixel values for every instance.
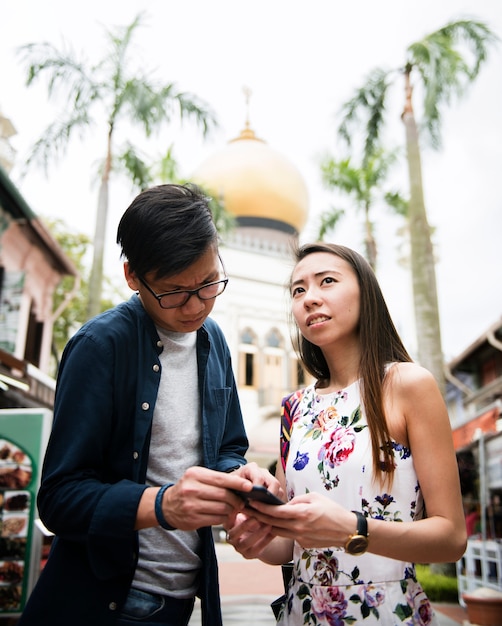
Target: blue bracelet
(158, 507)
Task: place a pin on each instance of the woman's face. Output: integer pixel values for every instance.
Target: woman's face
(193, 313)
(325, 299)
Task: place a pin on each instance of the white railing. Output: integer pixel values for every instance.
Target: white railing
(481, 566)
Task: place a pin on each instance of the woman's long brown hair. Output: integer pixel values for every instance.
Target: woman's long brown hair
(380, 345)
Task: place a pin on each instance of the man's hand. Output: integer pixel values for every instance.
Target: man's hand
(204, 497)
(259, 476)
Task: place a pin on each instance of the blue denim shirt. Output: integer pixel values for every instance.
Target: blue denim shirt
(95, 465)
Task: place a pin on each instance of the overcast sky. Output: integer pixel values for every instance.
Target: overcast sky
(301, 60)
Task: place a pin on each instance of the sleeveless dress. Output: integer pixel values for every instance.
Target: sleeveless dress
(330, 453)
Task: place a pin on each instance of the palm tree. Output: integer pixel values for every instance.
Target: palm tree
(76, 246)
(445, 63)
(363, 184)
(122, 95)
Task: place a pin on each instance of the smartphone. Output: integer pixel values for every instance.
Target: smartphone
(260, 493)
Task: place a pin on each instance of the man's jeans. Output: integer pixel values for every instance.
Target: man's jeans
(150, 609)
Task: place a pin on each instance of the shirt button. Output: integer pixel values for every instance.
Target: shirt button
(156, 368)
(112, 606)
(159, 344)
(135, 455)
(145, 406)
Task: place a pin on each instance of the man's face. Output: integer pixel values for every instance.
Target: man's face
(191, 315)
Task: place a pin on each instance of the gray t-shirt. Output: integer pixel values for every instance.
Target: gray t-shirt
(168, 560)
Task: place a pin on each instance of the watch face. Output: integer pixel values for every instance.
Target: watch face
(358, 544)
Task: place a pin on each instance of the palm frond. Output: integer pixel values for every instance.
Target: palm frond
(190, 106)
(54, 140)
(144, 104)
(378, 165)
(63, 70)
(224, 220)
(329, 220)
(135, 166)
(397, 203)
(120, 40)
(444, 67)
(169, 168)
(340, 174)
(367, 103)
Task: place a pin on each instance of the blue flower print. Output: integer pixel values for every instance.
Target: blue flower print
(385, 499)
(301, 461)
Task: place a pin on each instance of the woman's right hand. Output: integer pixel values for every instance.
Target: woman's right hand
(248, 536)
(253, 539)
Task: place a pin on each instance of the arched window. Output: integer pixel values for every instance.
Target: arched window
(247, 366)
(274, 374)
(274, 339)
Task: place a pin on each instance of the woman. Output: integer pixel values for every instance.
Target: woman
(367, 460)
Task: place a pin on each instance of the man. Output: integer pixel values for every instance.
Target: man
(148, 440)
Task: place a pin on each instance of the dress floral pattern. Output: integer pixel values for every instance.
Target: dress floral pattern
(330, 452)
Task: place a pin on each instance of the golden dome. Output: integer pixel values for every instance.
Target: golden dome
(257, 184)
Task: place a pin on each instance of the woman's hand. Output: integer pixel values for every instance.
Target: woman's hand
(249, 536)
(311, 519)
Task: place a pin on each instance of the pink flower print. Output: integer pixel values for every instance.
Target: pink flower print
(339, 447)
(329, 603)
(373, 596)
(326, 569)
(424, 613)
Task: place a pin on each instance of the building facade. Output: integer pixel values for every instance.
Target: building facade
(474, 396)
(32, 264)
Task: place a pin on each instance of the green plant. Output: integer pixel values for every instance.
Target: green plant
(438, 587)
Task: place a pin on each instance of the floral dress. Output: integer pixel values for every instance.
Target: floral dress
(330, 453)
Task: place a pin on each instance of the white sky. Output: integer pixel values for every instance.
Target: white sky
(301, 60)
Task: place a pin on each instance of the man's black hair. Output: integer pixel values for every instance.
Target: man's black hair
(166, 229)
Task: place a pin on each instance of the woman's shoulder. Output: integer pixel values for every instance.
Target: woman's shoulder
(409, 377)
(408, 370)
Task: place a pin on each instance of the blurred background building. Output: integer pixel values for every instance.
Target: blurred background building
(32, 264)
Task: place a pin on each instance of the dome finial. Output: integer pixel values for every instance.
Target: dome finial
(247, 133)
(247, 95)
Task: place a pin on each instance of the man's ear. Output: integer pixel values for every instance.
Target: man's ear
(131, 278)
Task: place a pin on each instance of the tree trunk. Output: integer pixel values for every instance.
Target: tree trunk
(369, 240)
(96, 277)
(430, 354)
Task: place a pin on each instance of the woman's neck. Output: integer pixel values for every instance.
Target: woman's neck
(344, 369)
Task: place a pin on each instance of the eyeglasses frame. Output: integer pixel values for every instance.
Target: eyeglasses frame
(189, 292)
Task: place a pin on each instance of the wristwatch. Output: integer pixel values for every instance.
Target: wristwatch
(358, 542)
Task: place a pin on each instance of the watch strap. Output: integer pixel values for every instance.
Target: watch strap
(362, 524)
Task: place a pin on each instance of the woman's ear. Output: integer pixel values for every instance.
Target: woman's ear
(131, 278)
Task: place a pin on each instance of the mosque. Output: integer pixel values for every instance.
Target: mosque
(268, 198)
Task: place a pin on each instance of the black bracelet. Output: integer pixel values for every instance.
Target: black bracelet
(158, 507)
(232, 469)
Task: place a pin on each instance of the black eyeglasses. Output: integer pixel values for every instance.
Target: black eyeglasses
(174, 299)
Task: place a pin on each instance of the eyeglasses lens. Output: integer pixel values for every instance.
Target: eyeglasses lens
(208, 292)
